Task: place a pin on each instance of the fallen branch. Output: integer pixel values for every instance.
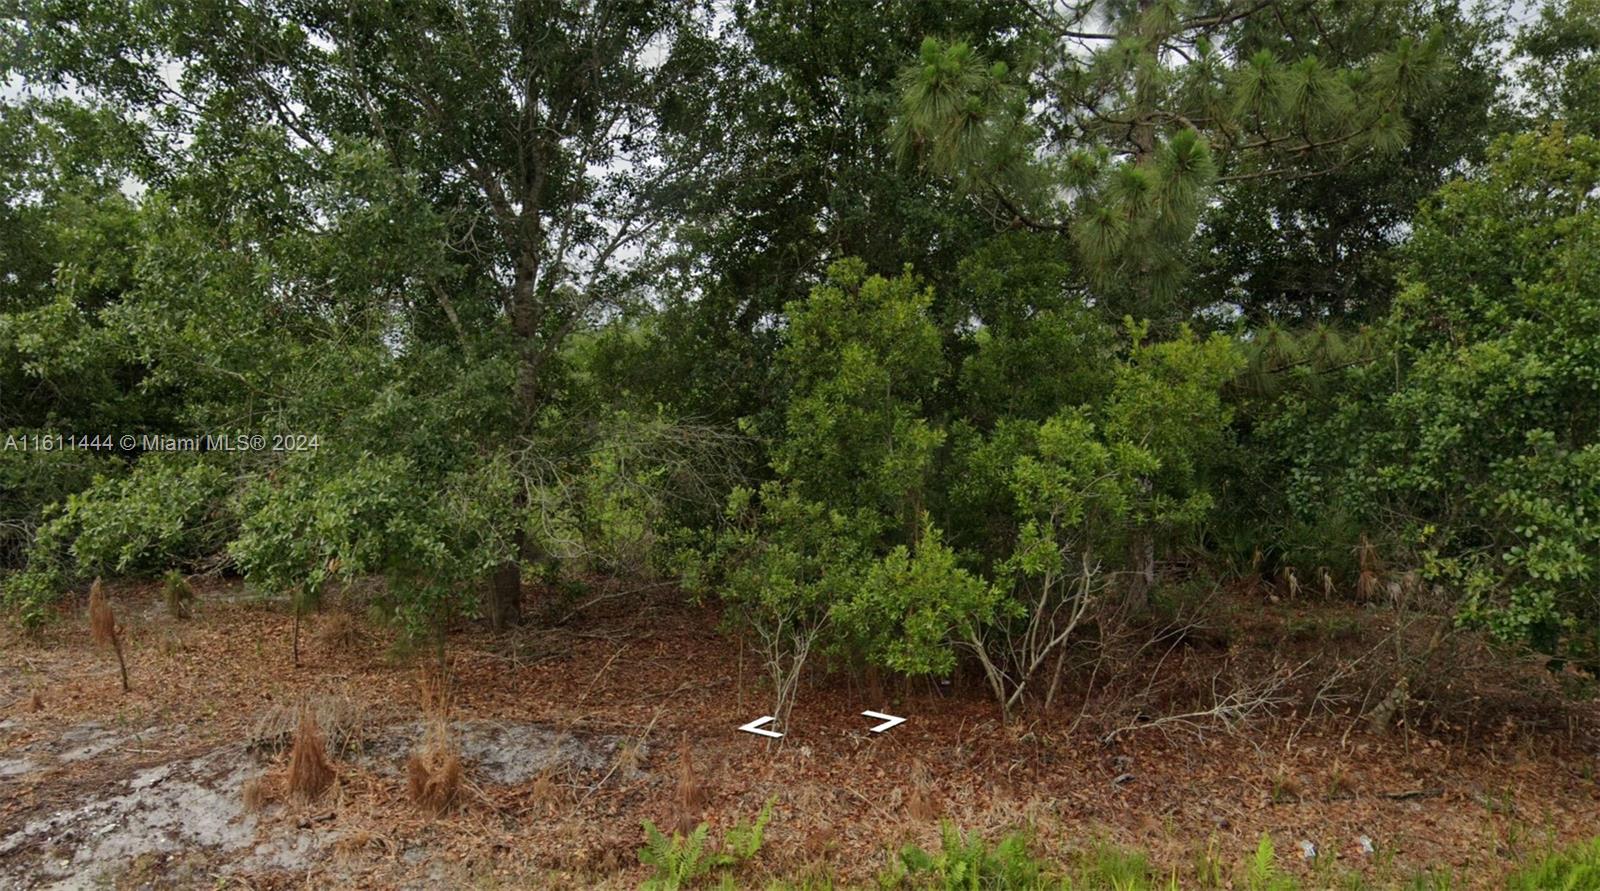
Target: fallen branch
(1409, 794)
(1230, 710)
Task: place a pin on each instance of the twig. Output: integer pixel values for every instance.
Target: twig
(1407, 795)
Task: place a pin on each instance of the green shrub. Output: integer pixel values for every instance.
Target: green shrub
(29, 593)
(170, 510)
(1468, 448)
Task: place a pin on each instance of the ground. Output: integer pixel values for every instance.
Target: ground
(572, 735)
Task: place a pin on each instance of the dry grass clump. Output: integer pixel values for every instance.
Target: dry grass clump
(434, 772)
(919, 801)
(339, 631)
(358, 841)
(629, 757)
(544, 791)
(692, 795)
(104, 629)
(254, 794)
(341, 717)
(310, 774)
(433, 689)
(1285, 786)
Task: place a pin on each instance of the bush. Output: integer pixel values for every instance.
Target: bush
(1478, 457)
(169, 510)
(326, 517)
(848, 548)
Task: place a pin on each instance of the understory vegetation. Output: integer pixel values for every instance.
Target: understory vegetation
(964, 861)
(955, 343)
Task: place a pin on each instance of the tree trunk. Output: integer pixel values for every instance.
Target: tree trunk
(1142, 555)
(505, 586)
(122, 664)
(505, 589)
(1380, 718)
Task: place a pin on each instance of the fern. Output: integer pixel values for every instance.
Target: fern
(678, 860)
(681, 861)
(744, 841)
(969, 863)
(1264, 874)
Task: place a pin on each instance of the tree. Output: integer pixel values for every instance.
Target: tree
(839, 551)
(860, 355)
(1498, 325)
(1166, 401)
(796, 115)
(1075, 492)
(1126, 113)
(1321, 245)
(1478, 451)
(67, 236)
(535, 130)
(1561, 65)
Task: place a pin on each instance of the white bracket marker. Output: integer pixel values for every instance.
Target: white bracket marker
(889, 721)
(755, 727)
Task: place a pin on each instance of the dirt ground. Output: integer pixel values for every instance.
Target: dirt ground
(573, 735)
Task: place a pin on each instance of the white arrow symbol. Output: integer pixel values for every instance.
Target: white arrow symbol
(755, 727)
(888, 721)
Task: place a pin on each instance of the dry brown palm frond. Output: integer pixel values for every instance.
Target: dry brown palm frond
(1367, 585)
(310, 774)
(1367, 556)
(434, 772)
(1291, 582)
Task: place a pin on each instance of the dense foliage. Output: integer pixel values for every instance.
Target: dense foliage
(915, 335)
(1478, 425)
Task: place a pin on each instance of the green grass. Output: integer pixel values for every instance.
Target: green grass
(964, 862)
(1574, 869)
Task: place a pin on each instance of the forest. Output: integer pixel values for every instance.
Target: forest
(800, 444)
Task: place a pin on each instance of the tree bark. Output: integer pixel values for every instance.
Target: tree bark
(122, 664)
(1142, 554)
(505, 586)
(505, 589)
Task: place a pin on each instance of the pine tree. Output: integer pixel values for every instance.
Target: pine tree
(1122, 117)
